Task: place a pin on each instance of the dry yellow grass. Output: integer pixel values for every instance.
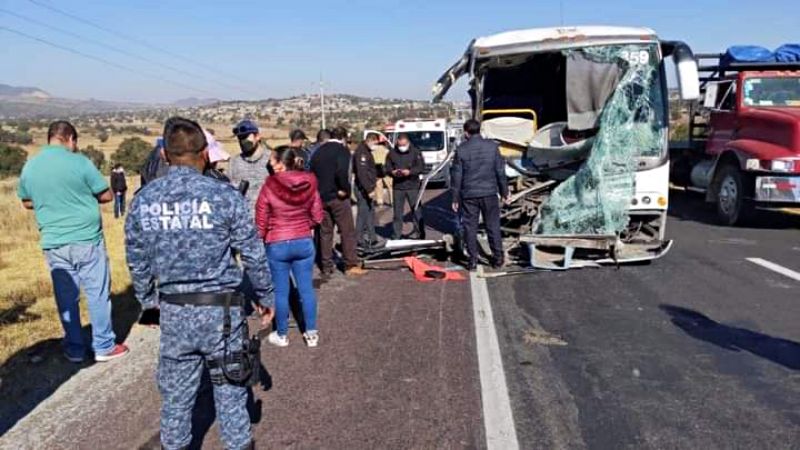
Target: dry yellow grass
(27, 308)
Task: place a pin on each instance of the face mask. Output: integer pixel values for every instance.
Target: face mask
(248, 147)
(373, 146)
(402, 148)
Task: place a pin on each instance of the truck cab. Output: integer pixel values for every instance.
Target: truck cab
(744, 142)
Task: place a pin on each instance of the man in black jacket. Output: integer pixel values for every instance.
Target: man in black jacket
(119, 185)
(405, 164)
(331, 165)
(366, 179)
(478, 176)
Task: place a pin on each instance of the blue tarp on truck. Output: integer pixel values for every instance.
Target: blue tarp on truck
(757, 54)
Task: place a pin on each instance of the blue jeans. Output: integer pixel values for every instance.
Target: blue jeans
(295, 257)
(119, 204)
(82, 265)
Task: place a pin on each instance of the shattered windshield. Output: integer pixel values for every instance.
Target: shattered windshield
(772, 91)
(595, 200)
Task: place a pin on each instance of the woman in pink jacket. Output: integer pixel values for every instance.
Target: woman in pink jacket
(287, 210)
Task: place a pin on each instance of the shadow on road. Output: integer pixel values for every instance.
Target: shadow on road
(32, 374)
(699, 326)
(691, 206)
(204, 413)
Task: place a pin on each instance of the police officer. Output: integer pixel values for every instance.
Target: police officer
(182, 235)
(365, 175)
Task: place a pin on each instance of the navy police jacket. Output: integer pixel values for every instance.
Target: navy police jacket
(183, 233)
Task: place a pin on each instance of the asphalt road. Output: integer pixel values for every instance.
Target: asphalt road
(700, 349)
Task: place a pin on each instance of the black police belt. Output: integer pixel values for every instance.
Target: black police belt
(238, 367)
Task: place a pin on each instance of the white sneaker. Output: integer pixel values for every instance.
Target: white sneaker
(277, 340)
(312, 338)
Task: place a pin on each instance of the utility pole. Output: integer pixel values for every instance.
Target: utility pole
(561, 11)
(322, 99)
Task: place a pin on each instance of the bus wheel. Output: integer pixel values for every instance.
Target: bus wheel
(732, 207)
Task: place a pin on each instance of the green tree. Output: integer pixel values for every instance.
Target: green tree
(12, 158)
(15, 137)
(96, 156)
(131, 153)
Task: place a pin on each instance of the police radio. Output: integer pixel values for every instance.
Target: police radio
(244, 185)
(237, 367)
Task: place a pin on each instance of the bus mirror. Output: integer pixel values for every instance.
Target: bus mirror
(688, 79)
(686, 68)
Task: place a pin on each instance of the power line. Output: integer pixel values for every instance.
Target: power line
(122, 51)
(138, 41)
(103, 60)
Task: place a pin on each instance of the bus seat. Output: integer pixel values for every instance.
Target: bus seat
(549, 149)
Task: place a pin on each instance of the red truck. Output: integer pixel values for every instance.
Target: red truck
(744, 139)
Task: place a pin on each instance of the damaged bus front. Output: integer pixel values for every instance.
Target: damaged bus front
(581, 118)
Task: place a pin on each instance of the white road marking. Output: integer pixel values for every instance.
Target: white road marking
(776, 268)
(498, 420)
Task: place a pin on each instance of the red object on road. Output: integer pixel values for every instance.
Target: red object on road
(418, 267)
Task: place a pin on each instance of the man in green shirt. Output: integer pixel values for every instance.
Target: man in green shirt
(63, 188)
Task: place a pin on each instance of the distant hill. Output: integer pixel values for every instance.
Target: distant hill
(300, 110)
(22, 91)
(21, 101)
(194, 102)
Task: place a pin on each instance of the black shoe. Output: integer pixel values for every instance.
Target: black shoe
(498, 264)
(472, 267)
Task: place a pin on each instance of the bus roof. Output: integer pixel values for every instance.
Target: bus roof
(577, 33)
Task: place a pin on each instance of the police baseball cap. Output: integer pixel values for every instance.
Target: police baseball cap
(297, 135)
(245, 128)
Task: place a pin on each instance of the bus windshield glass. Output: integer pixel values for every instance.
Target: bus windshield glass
(631, 126)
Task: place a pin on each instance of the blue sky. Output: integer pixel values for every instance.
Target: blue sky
(262, 49)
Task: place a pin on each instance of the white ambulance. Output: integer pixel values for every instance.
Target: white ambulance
(430, 137)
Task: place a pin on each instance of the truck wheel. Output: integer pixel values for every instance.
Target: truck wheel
(732, 208)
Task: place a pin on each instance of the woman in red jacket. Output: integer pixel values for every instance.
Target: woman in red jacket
(287, 210)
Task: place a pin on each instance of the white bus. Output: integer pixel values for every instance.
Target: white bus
(581, 116)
